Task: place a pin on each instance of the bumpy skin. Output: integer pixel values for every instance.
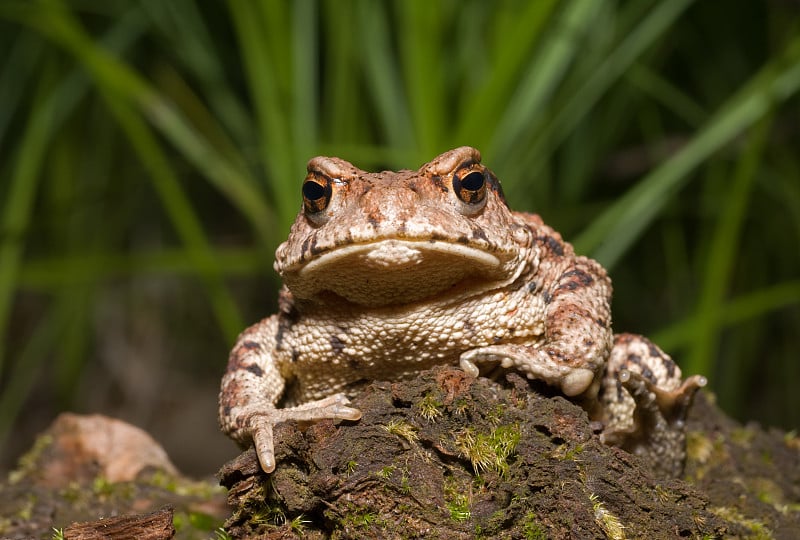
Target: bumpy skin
(390, 273)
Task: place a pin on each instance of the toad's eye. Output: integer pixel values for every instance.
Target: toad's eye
(471, 187)
(316, 193)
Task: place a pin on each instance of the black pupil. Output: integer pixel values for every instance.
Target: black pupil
(473, 181)
(313, 191)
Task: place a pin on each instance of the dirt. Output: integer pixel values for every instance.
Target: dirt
(445, 456)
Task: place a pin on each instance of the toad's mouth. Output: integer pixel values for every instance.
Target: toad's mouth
(396, 271)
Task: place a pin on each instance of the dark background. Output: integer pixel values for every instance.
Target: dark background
(151, 155)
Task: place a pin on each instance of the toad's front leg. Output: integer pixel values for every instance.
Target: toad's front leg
(253, 384)
(577, 337)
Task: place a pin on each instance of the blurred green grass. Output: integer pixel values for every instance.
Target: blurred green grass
(151, 154)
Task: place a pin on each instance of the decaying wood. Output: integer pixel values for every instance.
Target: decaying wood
(153, 526)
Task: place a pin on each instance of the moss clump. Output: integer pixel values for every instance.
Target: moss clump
(429, 408)
(488, 451)
(402, 429)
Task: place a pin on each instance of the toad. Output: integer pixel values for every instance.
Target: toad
(390, 273)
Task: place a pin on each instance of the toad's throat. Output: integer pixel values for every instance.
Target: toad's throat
(395, 271)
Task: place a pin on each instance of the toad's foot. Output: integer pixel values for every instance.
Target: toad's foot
(657, 432)
(643, 403)
(536, 363)
(260, 421)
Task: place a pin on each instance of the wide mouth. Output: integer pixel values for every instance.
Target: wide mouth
(394, 271)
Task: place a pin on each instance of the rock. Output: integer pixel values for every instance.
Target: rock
(83, 447)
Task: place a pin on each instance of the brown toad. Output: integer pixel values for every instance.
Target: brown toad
(390, 273)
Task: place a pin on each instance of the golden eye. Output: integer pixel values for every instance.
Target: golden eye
(471, 188)
(316, 193)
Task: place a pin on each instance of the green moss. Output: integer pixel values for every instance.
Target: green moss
(298, 525)
(532, 529)
(198, 521)
(742, 436)
(222, 534)
(610, 523)
(183, 486)
(459, 508)
(567, 452)
(457, 500)
(429, 408)
(461, 406)
(758, 530)
(496, 414)
(488, 451)
(102, 487)
(405, 485)
(386, 472)
(402, 429)
(29, 462)
(360, 518)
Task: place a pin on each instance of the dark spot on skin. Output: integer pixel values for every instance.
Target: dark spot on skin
(314, 249)
(635, 359)
(531, 286)
(462, 239)
(353, 362)
(306, 245)
(670, 367)
(236, 360)
(588, 342)
(647, 374)
(373, 221)
(561, 357)
(569, 285)
(255, 370)
(251, 345)
(478, 234)
(552, 244)
(295, 355)
(547, 297)
(439, 182)
(601, 322)
(337, 344)
(469, 327)
(438, 236)
(582, 277)
(494, 184)
(654, 352)
(620, 391)
(226, 410)
(574, 279)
